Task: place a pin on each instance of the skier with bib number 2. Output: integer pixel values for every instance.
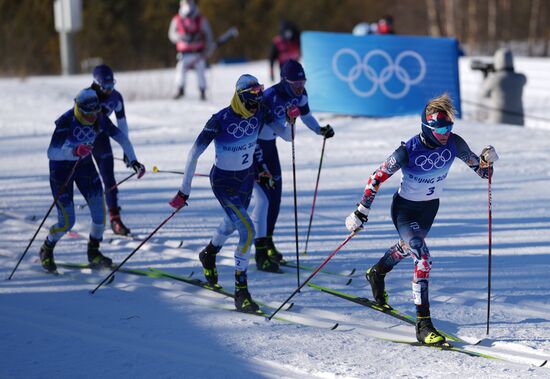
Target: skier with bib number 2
(234, 131)
(424, 160)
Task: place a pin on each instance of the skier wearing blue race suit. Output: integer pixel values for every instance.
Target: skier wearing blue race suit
(234, 131)
(425, 161)
(111, 101)
(283, 98)
(71, 162)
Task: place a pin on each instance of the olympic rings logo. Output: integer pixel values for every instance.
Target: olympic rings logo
(379, 79)
(84, 133)
(244, 127)
(435, 159)
(280, 110)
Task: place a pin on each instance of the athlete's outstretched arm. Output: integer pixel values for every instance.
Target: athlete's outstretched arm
(390, 166)
(475, 162)
(207, 135)
(311, 122)
(283, 129)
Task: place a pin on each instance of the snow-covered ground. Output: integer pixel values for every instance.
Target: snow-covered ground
(144, 327)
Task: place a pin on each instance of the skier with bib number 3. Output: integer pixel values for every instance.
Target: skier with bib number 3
(424, 160)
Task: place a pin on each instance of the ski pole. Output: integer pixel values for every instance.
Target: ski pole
(156, 170)
(295, 206)
(490, 225)
(137, 248)
(315, 194)
(61, 190)
(352, 234)
(82, 206)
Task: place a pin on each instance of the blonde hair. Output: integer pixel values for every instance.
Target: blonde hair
(442, 103)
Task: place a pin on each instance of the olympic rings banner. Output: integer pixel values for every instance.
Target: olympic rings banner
(378, 75)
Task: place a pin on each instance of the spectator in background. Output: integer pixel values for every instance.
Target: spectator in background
(503, 89)
(285, 46)
(191, 33)
(364, 28)
(385, 25)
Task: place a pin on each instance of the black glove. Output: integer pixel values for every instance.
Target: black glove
(327, 131)
(266, 179)
(138, 168)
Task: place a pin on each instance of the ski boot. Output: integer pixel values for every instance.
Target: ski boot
(116, 223)
(263, 261)
(95, 257)
(46, 256)
(376, 280)
(179, 94)
(274, 254)
(243, 300)
(203, 94)
(207, 256)
(426, 333)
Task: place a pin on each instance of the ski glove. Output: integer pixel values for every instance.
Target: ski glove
(83, 150)
(179, 201)
(265, 178)
(138, 168)
(488, 156)
(292, 114)
(327, 131)
(357, 218)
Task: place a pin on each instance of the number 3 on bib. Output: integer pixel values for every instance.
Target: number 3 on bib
(431, 190)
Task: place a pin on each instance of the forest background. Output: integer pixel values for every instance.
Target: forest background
(132, 34)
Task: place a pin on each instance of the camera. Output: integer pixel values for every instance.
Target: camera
(484, 67)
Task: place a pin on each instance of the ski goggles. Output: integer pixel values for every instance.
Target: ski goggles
(106, 87)
(441, 129)
(296, 85)
(255, 90)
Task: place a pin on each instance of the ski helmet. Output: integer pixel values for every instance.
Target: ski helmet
(294, 77)
(87, 101)
(250, 92)
(436, 126)
(104, 78)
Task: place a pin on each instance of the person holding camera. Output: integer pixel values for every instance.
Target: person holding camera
(502, 89)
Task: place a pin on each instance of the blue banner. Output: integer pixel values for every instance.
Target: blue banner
(378, 75)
